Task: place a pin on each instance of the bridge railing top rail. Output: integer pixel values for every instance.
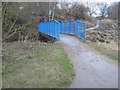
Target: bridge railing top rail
(74, 21)
(49, 21)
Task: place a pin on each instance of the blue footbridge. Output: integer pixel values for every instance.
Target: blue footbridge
(52, 29)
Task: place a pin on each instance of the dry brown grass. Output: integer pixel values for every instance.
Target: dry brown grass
(48, 67)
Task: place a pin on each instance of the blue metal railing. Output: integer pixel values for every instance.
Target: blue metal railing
(75, 27)
(51, 28)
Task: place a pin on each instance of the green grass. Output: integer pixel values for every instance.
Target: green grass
(105, 48)
(50, 67)
(40, 52)
(67, 67)
(15, 57)
(110, 53)
(7, 69)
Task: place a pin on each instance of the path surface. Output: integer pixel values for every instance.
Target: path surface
(92, 69)
(97, 25)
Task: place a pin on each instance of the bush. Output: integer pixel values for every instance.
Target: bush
(18, 23)
(89, 18)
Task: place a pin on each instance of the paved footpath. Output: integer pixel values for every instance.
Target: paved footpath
(92, 69)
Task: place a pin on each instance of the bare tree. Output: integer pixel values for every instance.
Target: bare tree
(92, 8)
(102, 6)
(79, 11)
(113, 11)
(52, 7)
(22, 18)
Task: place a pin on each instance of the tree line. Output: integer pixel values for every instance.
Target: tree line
(20, 19)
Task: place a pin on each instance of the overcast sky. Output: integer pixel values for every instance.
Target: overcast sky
(84, 1)
(108, 1)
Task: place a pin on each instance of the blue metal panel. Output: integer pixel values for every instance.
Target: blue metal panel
(58, 31)
(70, 28)
(75, 27)
(51, 28)
(62, 27)
(84, 31)
(66, 27)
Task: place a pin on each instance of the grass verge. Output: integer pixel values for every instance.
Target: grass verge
(109, 50)
(48, 67)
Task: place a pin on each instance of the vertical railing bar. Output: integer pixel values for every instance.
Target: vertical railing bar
(84, 31)
(55, 30)
(58, 31)
(66, 27)
(74, 28)
(70, 27)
